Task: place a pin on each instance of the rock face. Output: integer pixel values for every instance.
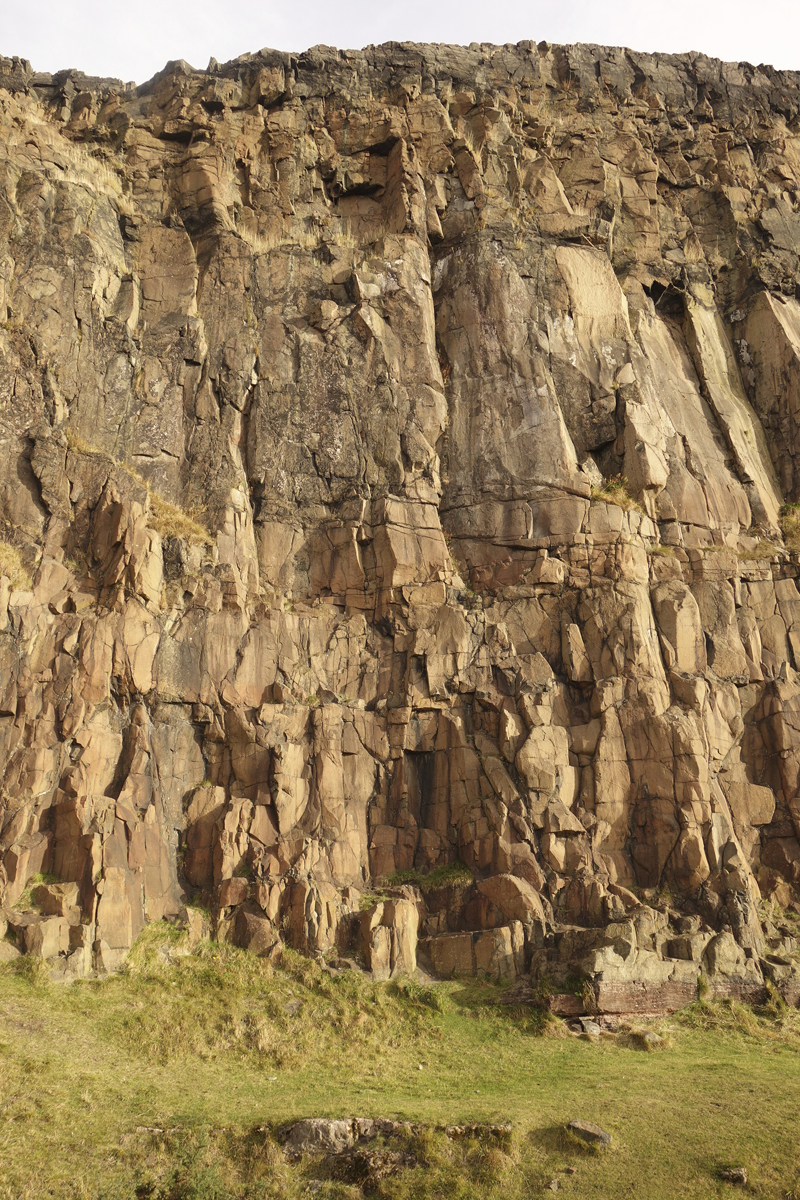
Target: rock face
(393, 453)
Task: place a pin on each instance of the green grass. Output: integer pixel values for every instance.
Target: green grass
(172, 1078)
(25, 900)
(455, 874)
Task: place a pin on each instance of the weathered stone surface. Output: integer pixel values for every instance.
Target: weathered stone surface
(587, 1131)
(396, 447)
(318, 1135)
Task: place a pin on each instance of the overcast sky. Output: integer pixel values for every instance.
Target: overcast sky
(135, 38)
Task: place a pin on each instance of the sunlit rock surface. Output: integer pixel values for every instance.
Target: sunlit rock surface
(396, 446)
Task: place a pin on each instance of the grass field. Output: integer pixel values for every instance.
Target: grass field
(168, 1081)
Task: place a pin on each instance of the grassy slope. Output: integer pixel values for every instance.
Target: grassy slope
(205, 1043)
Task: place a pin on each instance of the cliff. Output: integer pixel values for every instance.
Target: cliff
(397, 460)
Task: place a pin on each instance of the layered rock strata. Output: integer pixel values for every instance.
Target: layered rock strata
(395, 456)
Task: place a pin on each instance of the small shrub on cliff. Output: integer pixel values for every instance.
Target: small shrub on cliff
(12, 567)
(615, 491)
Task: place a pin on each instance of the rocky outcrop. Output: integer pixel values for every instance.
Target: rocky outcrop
(394, 465)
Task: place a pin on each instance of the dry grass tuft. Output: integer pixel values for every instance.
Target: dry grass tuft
(80, 446)
(615, 491)
(75, 164)
(335, 233)
(12, 566)
(761, 552)
(166, 518)
(790, 527)
(455, 874)
(171, 521)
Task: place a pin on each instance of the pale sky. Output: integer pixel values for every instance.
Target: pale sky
(133, 39)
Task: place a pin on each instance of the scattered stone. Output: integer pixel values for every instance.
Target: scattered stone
(318, 1135)
(553, 1185)
(326, 1135)
(500, 1133)
(737, 1175)
(368, 1167)
(590, 1133)
(8, 953)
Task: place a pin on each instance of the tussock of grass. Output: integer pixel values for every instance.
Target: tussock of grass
(166, 518)
(213, 1012)
(771, 1023)
(335, 233)
(12, 566)
(790, 526)
(171, 521)
(455, 874)
(661, 551)
(26, 900)
(100, 175)
(615, 491)
(80, 446)
(761, 552)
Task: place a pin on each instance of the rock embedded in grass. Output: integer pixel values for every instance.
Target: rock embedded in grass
(736, 1175)
(592, 1134)
(323, 1135)
(318, 1136)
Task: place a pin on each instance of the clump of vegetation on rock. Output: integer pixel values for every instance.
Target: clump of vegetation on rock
(12, 566)
(171, 521)
(763, 550)
(615, 491)
(455, 874)
(790, 526)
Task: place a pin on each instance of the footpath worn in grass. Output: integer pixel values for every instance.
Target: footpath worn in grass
(168, 1081)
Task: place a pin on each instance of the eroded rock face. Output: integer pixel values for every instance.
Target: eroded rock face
(384, 325)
